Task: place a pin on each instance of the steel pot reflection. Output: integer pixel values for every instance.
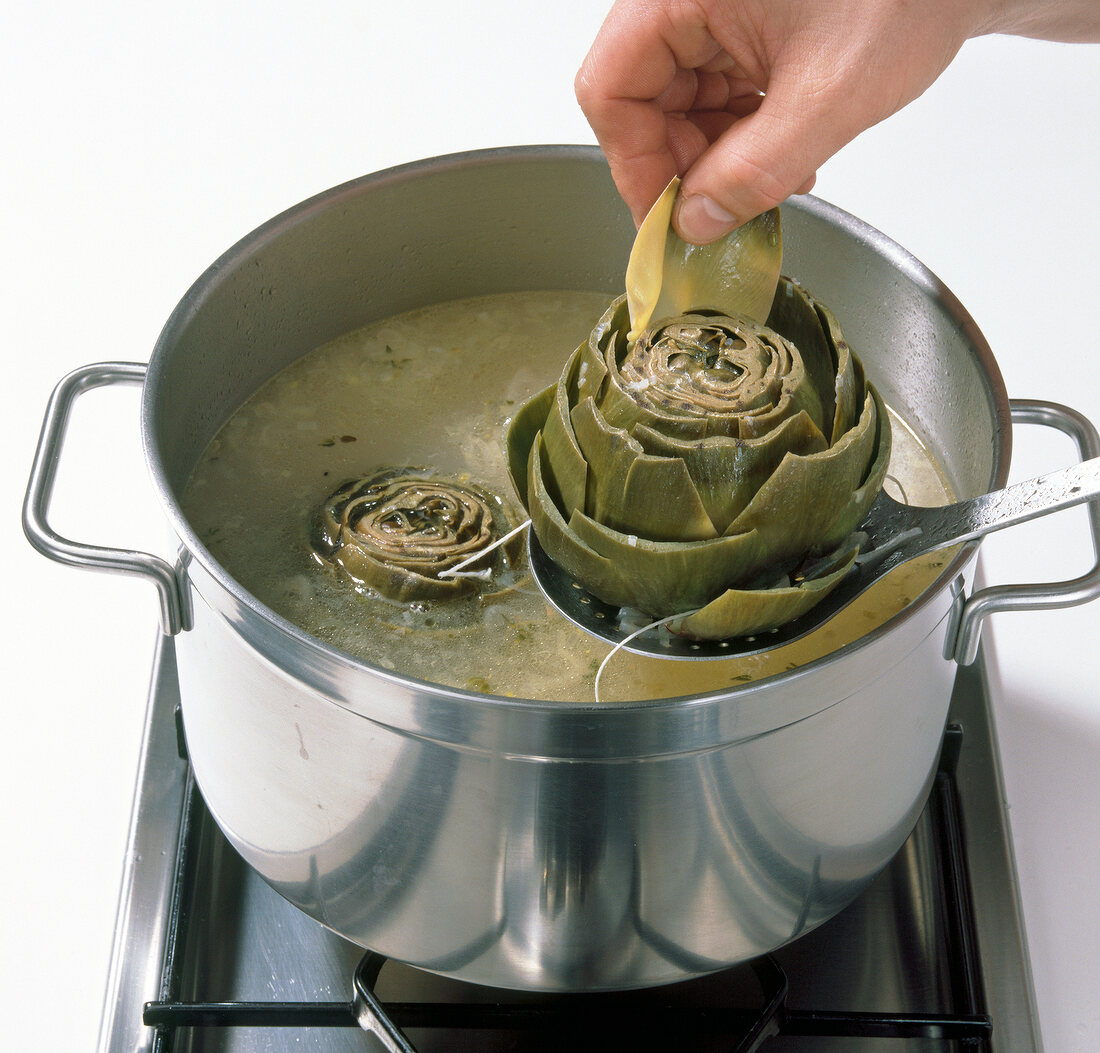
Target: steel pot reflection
(520, 843)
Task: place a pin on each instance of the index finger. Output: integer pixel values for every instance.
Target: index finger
(635, 60)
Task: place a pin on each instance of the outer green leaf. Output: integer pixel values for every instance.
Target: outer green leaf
(520, 435)
(739, 612)
(565, 469)
(665, 577)
(599, 574)
(793, 314)
(727, 473)
(850, 385)
(855, 511)
(805, 495)
(629, 491)
(588, 376)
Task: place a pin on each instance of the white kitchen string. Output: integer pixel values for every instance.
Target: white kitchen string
(630, 636)
(457, 572)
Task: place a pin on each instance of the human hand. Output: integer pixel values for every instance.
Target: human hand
(745, 99)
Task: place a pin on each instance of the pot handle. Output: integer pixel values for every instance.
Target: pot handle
(40, 490)
(1037, 597)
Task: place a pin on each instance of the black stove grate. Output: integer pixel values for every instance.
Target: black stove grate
(969, 1028)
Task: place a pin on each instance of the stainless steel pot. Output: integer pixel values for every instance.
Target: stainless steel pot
(528, 844)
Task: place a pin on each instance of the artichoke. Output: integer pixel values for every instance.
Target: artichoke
(708, 452)
(401, 532)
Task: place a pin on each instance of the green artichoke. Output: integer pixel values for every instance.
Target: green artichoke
(712, 447)
(401, 532)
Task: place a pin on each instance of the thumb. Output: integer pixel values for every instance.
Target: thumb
(757, 163)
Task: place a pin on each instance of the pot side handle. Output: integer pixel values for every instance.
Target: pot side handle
(1046, 596)
(40, 490)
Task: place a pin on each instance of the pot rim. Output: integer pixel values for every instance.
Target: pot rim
(254, 612)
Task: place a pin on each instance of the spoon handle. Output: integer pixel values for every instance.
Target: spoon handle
(977, 516)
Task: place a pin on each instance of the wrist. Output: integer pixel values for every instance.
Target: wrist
(1064, 20)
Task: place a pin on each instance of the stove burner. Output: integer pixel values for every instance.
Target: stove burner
(642, 1018)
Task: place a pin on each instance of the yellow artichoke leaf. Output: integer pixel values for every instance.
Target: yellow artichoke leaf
(565, 469)
(595, 572)
(520, 435)
(793, 314)
(647, 257)
(735, 275)
(745, 612)
(634, 493)
(667, 276)
(860, 503)
(663, 577)
(728, 472)
(801, 501)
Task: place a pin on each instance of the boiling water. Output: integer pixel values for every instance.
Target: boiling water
(434, 387)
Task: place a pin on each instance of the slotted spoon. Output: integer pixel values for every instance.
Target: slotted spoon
(896, 533)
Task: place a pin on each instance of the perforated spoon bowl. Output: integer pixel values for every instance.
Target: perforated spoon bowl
(896, 533)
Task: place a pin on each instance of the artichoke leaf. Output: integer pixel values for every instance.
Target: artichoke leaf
(794, 315)
(836, 373)
(622, 411)
(397, 583)
(612, 325)
(645, 268)
(850, 391)
(850, 385)
(743, 612)
(798, 397)
(667, 276)
(593, 361)
(520, 434)
(728, 472)
(564, 468)
(805, 495)
(633, 492)
(663, 577)
(864, 496)
(568, 551)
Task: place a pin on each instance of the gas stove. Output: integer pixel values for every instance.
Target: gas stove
(932, 956)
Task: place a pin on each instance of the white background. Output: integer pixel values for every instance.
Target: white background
(141, 140)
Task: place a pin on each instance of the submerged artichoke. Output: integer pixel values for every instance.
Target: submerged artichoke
(715, 463)
(401, 531)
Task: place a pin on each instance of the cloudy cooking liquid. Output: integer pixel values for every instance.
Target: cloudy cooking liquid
(434, 387)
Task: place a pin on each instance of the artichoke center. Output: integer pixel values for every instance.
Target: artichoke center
(702, 365)
(399, 530)
(432, 516)
(706, 355)
(406, 516)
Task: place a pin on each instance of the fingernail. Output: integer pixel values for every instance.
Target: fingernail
(701, 220)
